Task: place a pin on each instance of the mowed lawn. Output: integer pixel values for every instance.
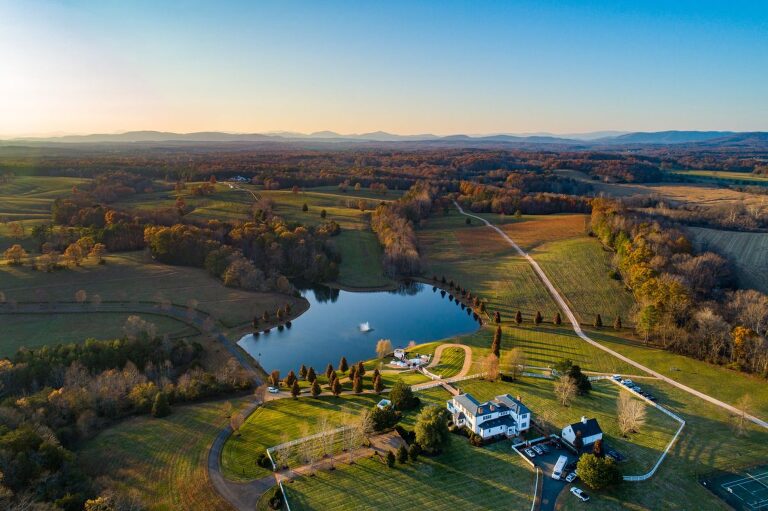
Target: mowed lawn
(451, 362)
(282, 420)
(708, 443)
(476, 258)
(164, 460)
(492, 477)
(133, 277)
(579, 268)
(748, 251)
(33, 330)
(716, 381)
(642, 449)
(544, 346)
(28, 200)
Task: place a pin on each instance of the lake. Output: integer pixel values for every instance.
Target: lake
(330, 328)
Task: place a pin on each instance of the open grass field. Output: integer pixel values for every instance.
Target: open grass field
(132, 277)
(451, 362)
(474, 257)
(720, 175)
(163, 460)
(493, 477)
(747, 251)
(282, 420)
(33, 330)
(28, 199)
(357, 244)
(711, 379)
(641, 449)
(708, 443)
(579, 267)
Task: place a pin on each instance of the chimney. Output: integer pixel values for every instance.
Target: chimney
(583, 420)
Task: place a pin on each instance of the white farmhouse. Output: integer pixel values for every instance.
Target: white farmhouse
(587, 429)
(503, 415)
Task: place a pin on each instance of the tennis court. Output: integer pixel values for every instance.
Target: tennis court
(747, 491)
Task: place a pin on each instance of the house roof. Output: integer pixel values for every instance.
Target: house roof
(498, 404)
(504, 420)
(587, 429)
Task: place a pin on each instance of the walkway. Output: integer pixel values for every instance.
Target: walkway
(467, 357)
(577, 328)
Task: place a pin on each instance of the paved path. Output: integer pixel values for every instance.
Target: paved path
(467, 357)
(577, 328)
(241, 496)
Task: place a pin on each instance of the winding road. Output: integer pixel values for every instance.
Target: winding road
(577, 328)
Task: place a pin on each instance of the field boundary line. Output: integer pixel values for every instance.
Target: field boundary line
(577, 327)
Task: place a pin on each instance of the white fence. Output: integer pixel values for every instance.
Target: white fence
(285, 496)
(651, 472)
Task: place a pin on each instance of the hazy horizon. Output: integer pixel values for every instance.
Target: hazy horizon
(78, 67)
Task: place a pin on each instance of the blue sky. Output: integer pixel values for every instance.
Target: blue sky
(73, 66)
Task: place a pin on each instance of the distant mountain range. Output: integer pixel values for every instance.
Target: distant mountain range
(581, 140)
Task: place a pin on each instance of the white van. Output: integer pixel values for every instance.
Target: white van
(559, 467)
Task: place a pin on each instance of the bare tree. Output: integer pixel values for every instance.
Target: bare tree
(513, 362)
(565, 389)
(236, 420)
(740, 420)
(631, 414)
(260, 393)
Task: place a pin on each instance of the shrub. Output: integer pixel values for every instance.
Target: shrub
(161, 408)
(432, 428)
(476, 440)
(598, 472)
(402, 455)
(390, 459)
(406, 434)
(402, 397)
(413, 452)
(384, 418)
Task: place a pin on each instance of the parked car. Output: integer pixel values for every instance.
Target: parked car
(626, 383)
(637, 389)
(616, 377)
(580, 494)
(652, 397)
(538, 450)
(530, 453)
(570, 477)
(273, 390)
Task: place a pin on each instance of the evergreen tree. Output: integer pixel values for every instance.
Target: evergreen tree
(343, 366)
(274, 378)
(305, 208)
(328, 371)
(316, 390)
(518, 318)
(617, 323)
(336, 387)
(497, 317)
(378, 385)
(161, 408)
(413, 451)
(538, 319)
(357, 385)
(311, 376)
(402, 455)
(390, 459)
(375, 373)
(323, 213)
(352, 372)
(361, 369)
(290, 378)
(496, 344)
(303, 372)
(295, 389)
(598, 321)
(482, 309)
(558, 320)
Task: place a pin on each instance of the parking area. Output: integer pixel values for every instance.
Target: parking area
(551, 488)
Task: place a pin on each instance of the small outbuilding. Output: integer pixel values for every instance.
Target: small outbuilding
(582, 435)
(383, 404)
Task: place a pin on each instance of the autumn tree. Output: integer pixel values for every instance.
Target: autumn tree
(357, 385)
(343, 365)
(491, 367)
(617, 323)
(15, 255)
(274, 378)
(311, 376)
(295, 389)
(290, 378)
(336, 387)
(315, 390)
(741, 419)
(383, 348)
(378, 385)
